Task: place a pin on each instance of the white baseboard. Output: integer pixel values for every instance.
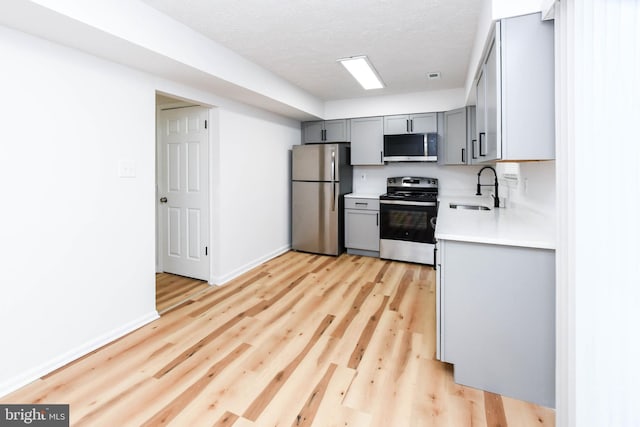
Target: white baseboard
(222, 279)
(25, 378)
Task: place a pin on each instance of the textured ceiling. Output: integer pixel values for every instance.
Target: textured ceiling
(300, 40)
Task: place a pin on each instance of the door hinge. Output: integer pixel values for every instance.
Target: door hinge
(206, 250)
(205, 124)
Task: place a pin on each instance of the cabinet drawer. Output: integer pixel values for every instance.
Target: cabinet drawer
(364, 204)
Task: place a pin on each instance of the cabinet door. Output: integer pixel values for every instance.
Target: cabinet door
(362, 230)
(499, 311)
(367, 141)
(439, 257)
(337, 131)
(455, 137)
(471, 134)
(481, 120)
(492, 148)
(396, 125)
(528, 97)
(312, 132)
(423, 123)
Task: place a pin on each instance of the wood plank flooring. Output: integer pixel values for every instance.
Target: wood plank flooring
(303, 340)
(172, 289)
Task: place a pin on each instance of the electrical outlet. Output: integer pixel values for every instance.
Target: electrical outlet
(126, 169)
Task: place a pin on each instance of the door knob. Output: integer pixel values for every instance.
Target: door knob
(163, 200)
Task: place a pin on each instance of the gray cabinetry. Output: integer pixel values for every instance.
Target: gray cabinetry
(515, 92)
(362, 221)
(410, 123)
(458, 136)
(489, 147)
(497, 318)
(326, 131)
(367, 141)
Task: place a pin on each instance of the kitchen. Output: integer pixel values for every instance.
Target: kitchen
(536, 183)
(512, 290)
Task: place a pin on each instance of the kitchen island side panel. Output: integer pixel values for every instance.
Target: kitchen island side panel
(499, 318)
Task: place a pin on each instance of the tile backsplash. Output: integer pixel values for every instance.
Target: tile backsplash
(534, 186)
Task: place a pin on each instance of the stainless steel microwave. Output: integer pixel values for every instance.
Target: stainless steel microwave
(416, 147)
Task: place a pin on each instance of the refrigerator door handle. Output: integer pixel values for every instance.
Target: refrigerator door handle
(333, 165)
(333, 180)
(333, 198)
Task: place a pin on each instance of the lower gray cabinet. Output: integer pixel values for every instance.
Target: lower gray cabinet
(497, 318)
(362, 226)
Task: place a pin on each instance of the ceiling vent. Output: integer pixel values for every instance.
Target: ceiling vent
(434, 75)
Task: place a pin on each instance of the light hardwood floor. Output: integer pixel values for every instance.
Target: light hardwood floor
(301, 340)
(172, 289)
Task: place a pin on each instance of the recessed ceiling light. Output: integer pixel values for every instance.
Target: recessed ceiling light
(362, 70)
(433, 75)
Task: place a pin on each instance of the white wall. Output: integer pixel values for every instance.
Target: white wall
(254, 189)
(453, 180)
(415, 102)
(77, 246)
(78, 242)
(534, 190)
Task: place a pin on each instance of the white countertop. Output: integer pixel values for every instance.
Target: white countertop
(513, 226)
(362, 196)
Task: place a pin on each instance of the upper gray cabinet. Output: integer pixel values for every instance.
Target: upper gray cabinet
(326, 131)
(367, 141)
(515, 92)
(410, 123)
(458, 137)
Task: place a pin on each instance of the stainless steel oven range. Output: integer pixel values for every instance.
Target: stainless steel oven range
(408, 219)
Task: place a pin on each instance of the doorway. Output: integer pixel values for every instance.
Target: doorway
(182, 200)
(172, 290)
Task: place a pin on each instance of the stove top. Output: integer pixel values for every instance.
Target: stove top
(413, 196)
(414, 189)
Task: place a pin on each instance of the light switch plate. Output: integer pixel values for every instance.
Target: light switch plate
(126, 169)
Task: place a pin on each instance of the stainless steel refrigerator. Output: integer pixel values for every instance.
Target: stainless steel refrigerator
(321, 176)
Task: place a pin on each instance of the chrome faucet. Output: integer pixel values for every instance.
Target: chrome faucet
(496, 200)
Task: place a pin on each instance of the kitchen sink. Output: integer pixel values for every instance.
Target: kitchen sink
(472, 207)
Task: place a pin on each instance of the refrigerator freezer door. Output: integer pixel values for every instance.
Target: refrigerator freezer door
(315, 217)
(318, 162)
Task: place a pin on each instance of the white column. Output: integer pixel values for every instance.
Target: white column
(598, 179)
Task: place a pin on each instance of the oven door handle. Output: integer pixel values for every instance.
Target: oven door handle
(435, 256)
(406, 203)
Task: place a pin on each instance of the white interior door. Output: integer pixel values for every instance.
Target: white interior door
(183, 191)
